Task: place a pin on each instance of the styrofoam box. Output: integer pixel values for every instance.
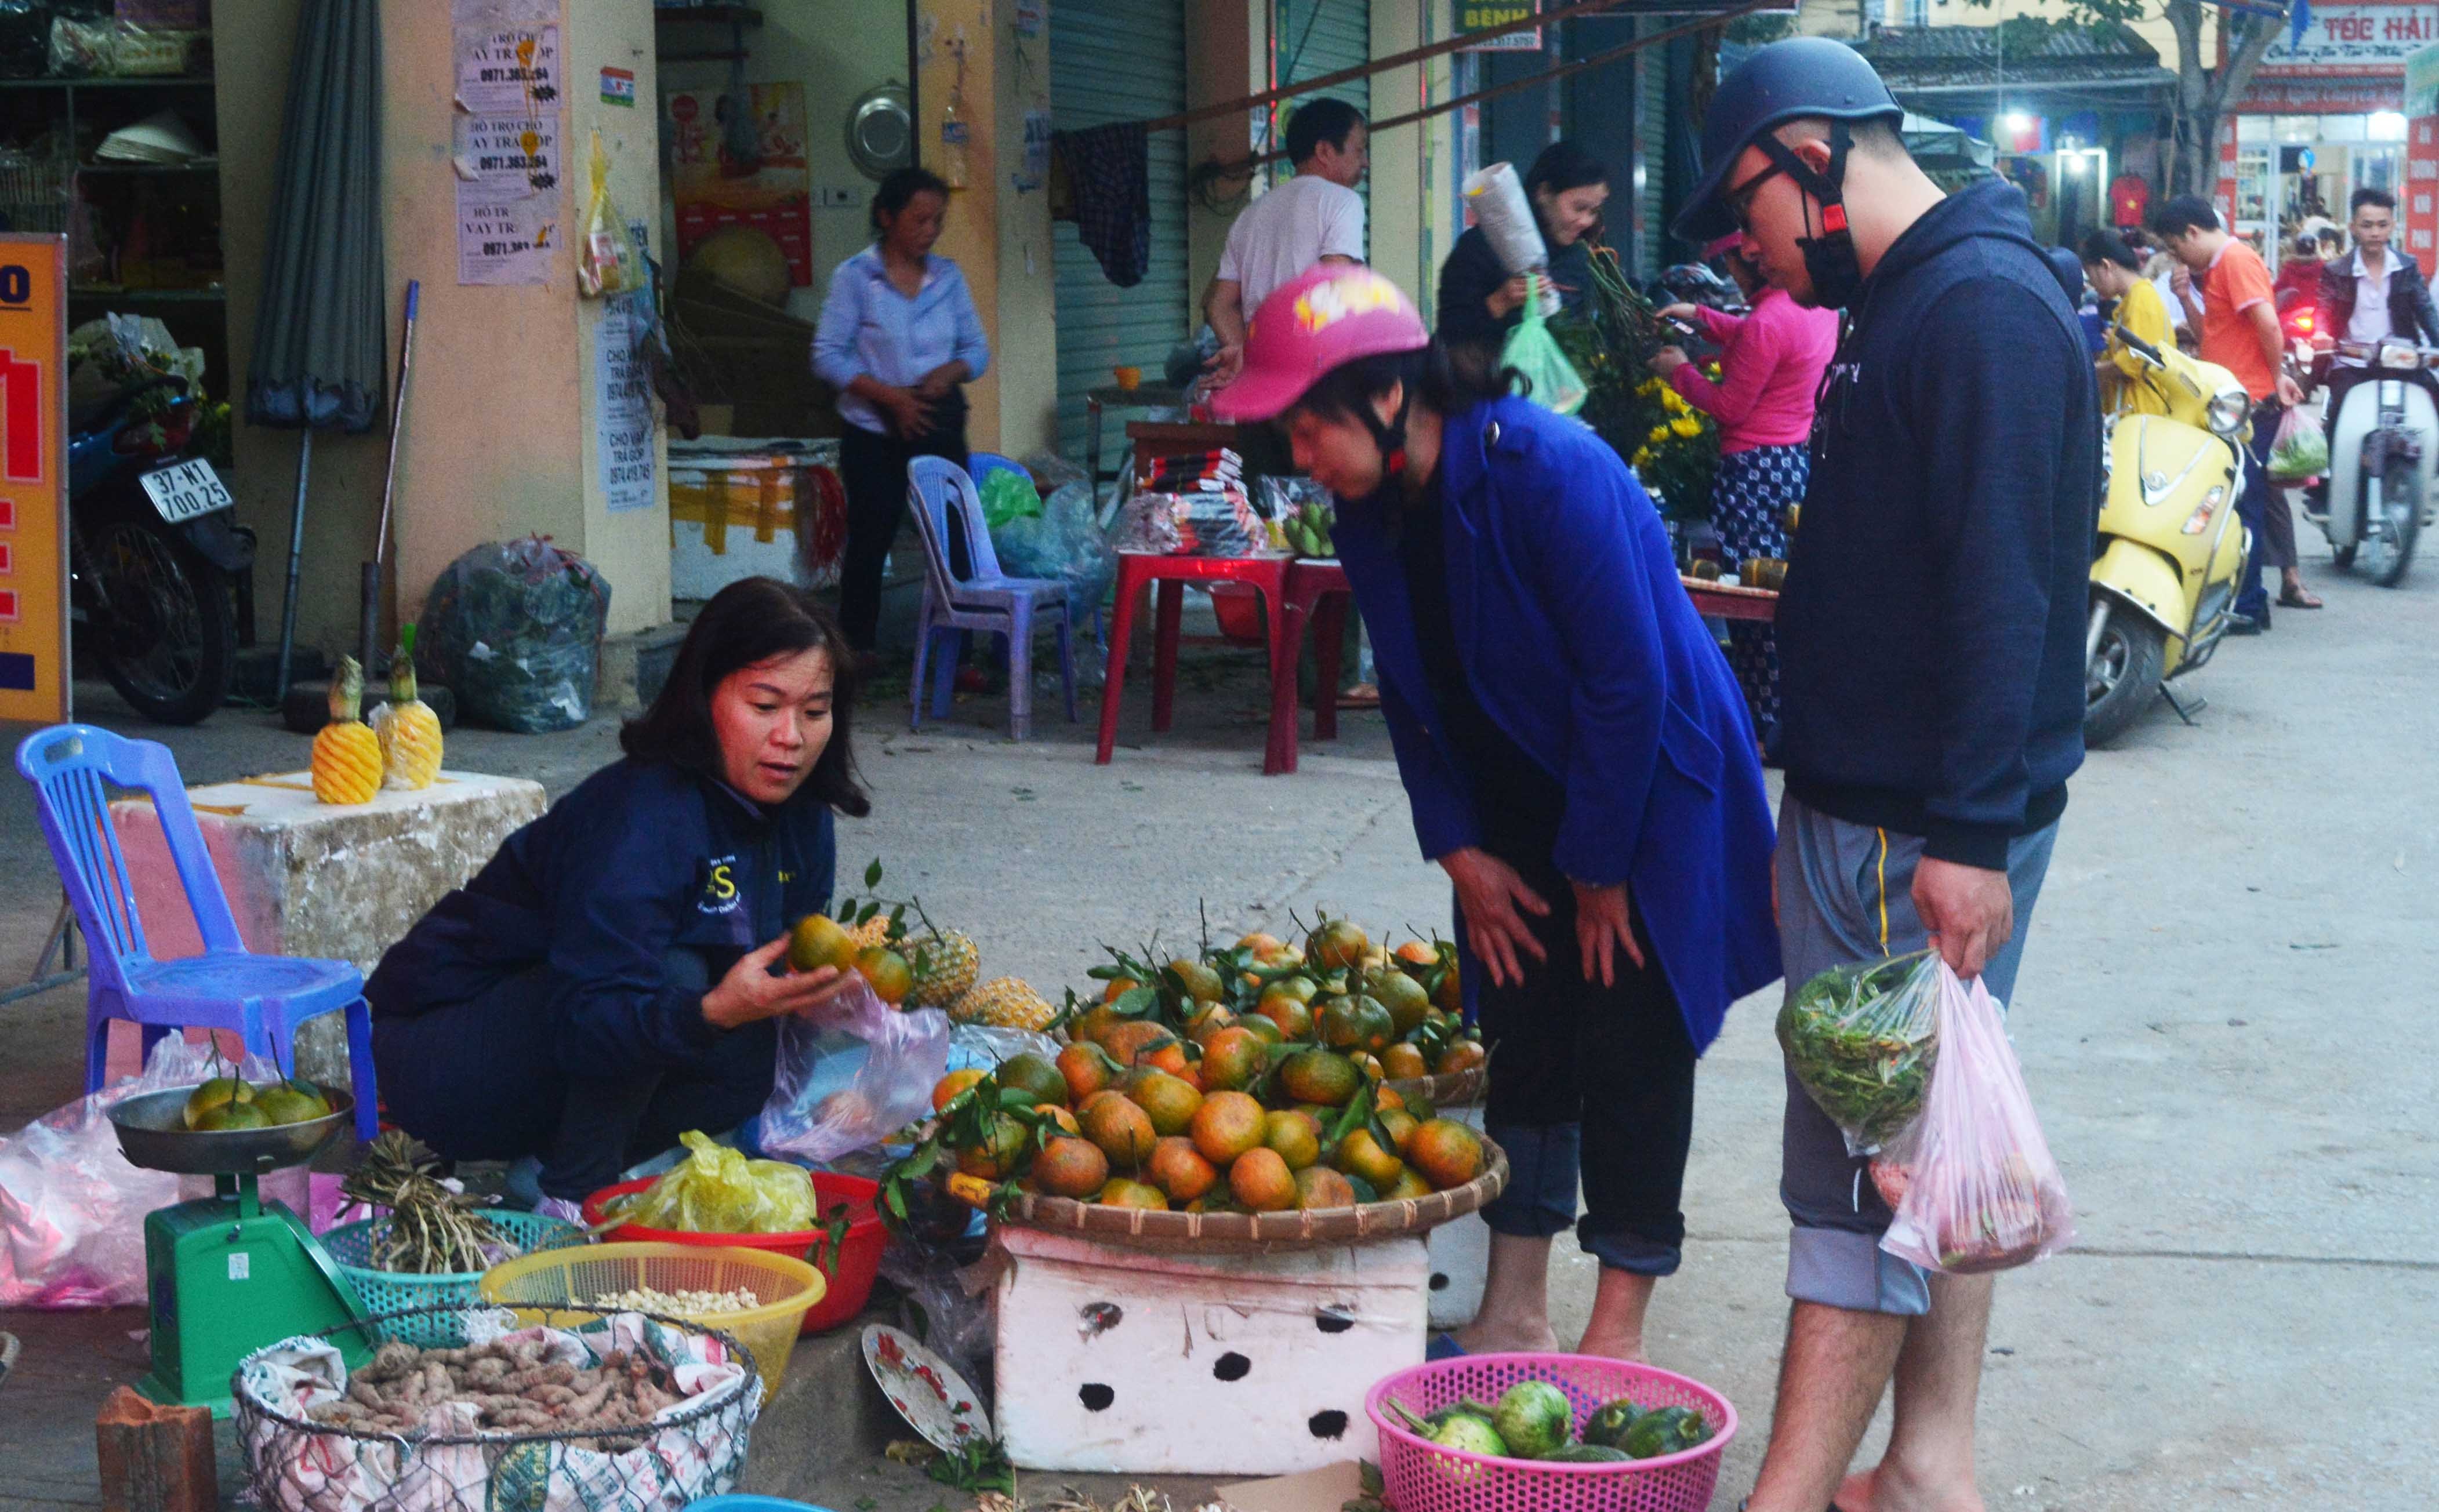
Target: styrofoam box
(1127, 1361)
(1460, 1252)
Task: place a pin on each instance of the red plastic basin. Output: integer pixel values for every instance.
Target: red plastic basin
(850, 1272)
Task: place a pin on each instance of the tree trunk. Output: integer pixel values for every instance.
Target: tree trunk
(2204, 94)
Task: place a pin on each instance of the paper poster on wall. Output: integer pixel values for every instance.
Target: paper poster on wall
(508, 72)
(623, 406)
(743, 163)
(1036, 151)
(509, 172)
(467, 15)
(505, 241)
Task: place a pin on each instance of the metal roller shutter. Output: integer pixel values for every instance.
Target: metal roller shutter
(1310, 38)
(1119, 60)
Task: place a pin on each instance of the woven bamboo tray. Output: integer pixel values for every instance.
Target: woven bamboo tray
(1453, 1090)
(1261, 1232)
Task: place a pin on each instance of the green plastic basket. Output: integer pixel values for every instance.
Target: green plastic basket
(351, 1247)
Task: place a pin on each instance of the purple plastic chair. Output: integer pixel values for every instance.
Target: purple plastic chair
(262, 998)
(985, 601)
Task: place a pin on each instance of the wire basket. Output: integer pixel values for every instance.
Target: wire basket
(688, 1451)
(1425, 1477)
(785, 1286)
(351, 1246)
(33, 192)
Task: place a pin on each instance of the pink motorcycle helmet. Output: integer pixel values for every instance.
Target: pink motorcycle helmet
(1332, 315)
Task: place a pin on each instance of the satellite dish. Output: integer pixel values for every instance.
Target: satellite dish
(880, 131)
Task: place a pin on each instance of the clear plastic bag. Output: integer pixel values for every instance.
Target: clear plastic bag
(1862, 1039)
(2300, 453)
(1064, 542)
(1973, 1180)
(1007, 496)
(72, 1209)
(1535, 354)
(852, 1073)
(606, 261)
(719, 1190)
(514, 629)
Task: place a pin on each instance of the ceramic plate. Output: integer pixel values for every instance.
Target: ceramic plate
(925, 1388)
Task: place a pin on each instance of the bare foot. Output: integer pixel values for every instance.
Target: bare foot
(1486, 1337)
(1854, 1491)
(1889, 1488)
(1611, 1346)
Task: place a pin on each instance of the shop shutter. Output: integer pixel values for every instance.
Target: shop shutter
(1310, 38)
(1119, 60)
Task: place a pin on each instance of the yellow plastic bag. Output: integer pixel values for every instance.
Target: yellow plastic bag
(605, 262)
(719, 1191)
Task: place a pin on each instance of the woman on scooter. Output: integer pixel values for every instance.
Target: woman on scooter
(1577, 758)
(2115, 273)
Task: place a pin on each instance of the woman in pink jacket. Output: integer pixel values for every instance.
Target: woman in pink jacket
(1770, 364)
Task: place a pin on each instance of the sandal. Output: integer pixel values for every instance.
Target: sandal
(2292, 599)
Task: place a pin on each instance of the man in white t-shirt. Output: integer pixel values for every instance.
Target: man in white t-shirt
(1315, 217)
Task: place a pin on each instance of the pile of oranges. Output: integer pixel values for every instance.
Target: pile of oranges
(1251, 1080)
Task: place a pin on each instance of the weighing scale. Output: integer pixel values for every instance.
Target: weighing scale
(229, 1273)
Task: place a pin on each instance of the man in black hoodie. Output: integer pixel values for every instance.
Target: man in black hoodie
(1930, 638)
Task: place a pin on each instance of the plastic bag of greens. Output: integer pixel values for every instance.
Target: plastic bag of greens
(1008, 495)
(1862, 1039)
(1973, 1180)
(1535, 354)
(514, 628)
(2301, 452)
(719, 1191)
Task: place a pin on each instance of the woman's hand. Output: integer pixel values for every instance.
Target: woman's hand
(1503, 300)
(940, 380)
(1666, 361)
(908, 413)
(1605, 931)
(1489, 894)
(1682, 312)
(749, 993)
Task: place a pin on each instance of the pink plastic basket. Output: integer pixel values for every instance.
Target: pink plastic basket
(1423, 1477)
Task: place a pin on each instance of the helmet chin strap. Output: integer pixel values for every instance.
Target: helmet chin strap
(1829, 257)
(1391, 436)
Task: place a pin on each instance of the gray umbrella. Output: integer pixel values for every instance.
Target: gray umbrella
(319, 352)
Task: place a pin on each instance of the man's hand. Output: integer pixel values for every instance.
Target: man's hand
(1223, 367)
(1605, 931)
(1969, 911)
(1666, 361)
(1503, 300)
(750, 993)
(2180, 280)
(2289, 392)
(937, 382)
(1489, 894)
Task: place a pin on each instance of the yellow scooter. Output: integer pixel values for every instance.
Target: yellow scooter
(2164, 580)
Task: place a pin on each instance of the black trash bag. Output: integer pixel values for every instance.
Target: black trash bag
(515, 630)
(25, 39)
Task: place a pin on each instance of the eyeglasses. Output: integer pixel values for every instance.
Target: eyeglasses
(1739, 201)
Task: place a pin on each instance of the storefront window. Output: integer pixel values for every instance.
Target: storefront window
(2345, 128)
(2387, 125)
(2298, 128)
(2251, 129)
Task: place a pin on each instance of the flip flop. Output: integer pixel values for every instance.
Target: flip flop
(1444, 1346)
(2292, 601)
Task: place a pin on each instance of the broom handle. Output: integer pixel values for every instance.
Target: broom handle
(398, 416)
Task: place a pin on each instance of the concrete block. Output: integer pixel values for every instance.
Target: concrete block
(338, 882)
(1122, 1361)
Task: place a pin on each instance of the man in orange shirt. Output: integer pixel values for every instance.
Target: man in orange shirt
(2227, 297)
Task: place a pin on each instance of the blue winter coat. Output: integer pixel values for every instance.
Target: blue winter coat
(1580, 644)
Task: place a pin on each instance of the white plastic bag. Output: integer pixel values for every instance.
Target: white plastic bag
(1973, 1180)
(72, 1209)
(851, 1072)
(1496, 196)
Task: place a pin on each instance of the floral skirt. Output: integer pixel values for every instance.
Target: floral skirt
(1749, 505)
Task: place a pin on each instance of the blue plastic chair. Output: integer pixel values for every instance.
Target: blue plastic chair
(262, 997)
(743, 1502)
(986, 600)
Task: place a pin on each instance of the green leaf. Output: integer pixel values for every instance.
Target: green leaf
(872, 873)
(1135, 1002)
(895, 1198)
(866, 917)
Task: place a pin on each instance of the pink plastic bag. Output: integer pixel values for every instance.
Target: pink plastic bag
(1973, 1180)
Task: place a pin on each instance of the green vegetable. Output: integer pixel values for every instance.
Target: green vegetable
(1534, 1417)
(1608, 1426)
(1472, 1436)
(1666, 1431)
(1862, 1039)
(1587, 1454)
(2303, 454)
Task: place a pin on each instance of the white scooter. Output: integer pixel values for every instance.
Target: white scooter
(2383, 461)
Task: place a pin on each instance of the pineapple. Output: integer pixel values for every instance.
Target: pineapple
(872, 932)
(346, 755)
(409, 731)
(1005, 1002)
(946, 964)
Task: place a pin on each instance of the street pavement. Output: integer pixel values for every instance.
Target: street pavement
(2223, 1017)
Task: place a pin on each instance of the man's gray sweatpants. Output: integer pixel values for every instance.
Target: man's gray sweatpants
(1845, 894)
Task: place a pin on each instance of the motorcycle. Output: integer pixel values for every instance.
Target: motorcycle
(154, 558)
(2381, 458)
(2163, 576)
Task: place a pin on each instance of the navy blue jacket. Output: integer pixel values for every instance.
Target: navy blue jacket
(1580, 644)
(1931, 630)
(640, 859)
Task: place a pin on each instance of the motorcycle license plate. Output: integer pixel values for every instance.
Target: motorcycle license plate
(185, 489)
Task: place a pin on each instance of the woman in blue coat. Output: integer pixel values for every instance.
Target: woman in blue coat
(1579, 759)
(611, 978)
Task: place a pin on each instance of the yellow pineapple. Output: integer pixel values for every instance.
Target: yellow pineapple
(346, 755)
(946, 965)
(872, 934)
(1005, 1002)
(409, 731)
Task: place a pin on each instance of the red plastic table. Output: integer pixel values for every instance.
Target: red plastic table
(1318, 595)
(1139, 571)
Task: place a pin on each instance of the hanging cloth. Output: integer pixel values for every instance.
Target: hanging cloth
(1108, 170)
